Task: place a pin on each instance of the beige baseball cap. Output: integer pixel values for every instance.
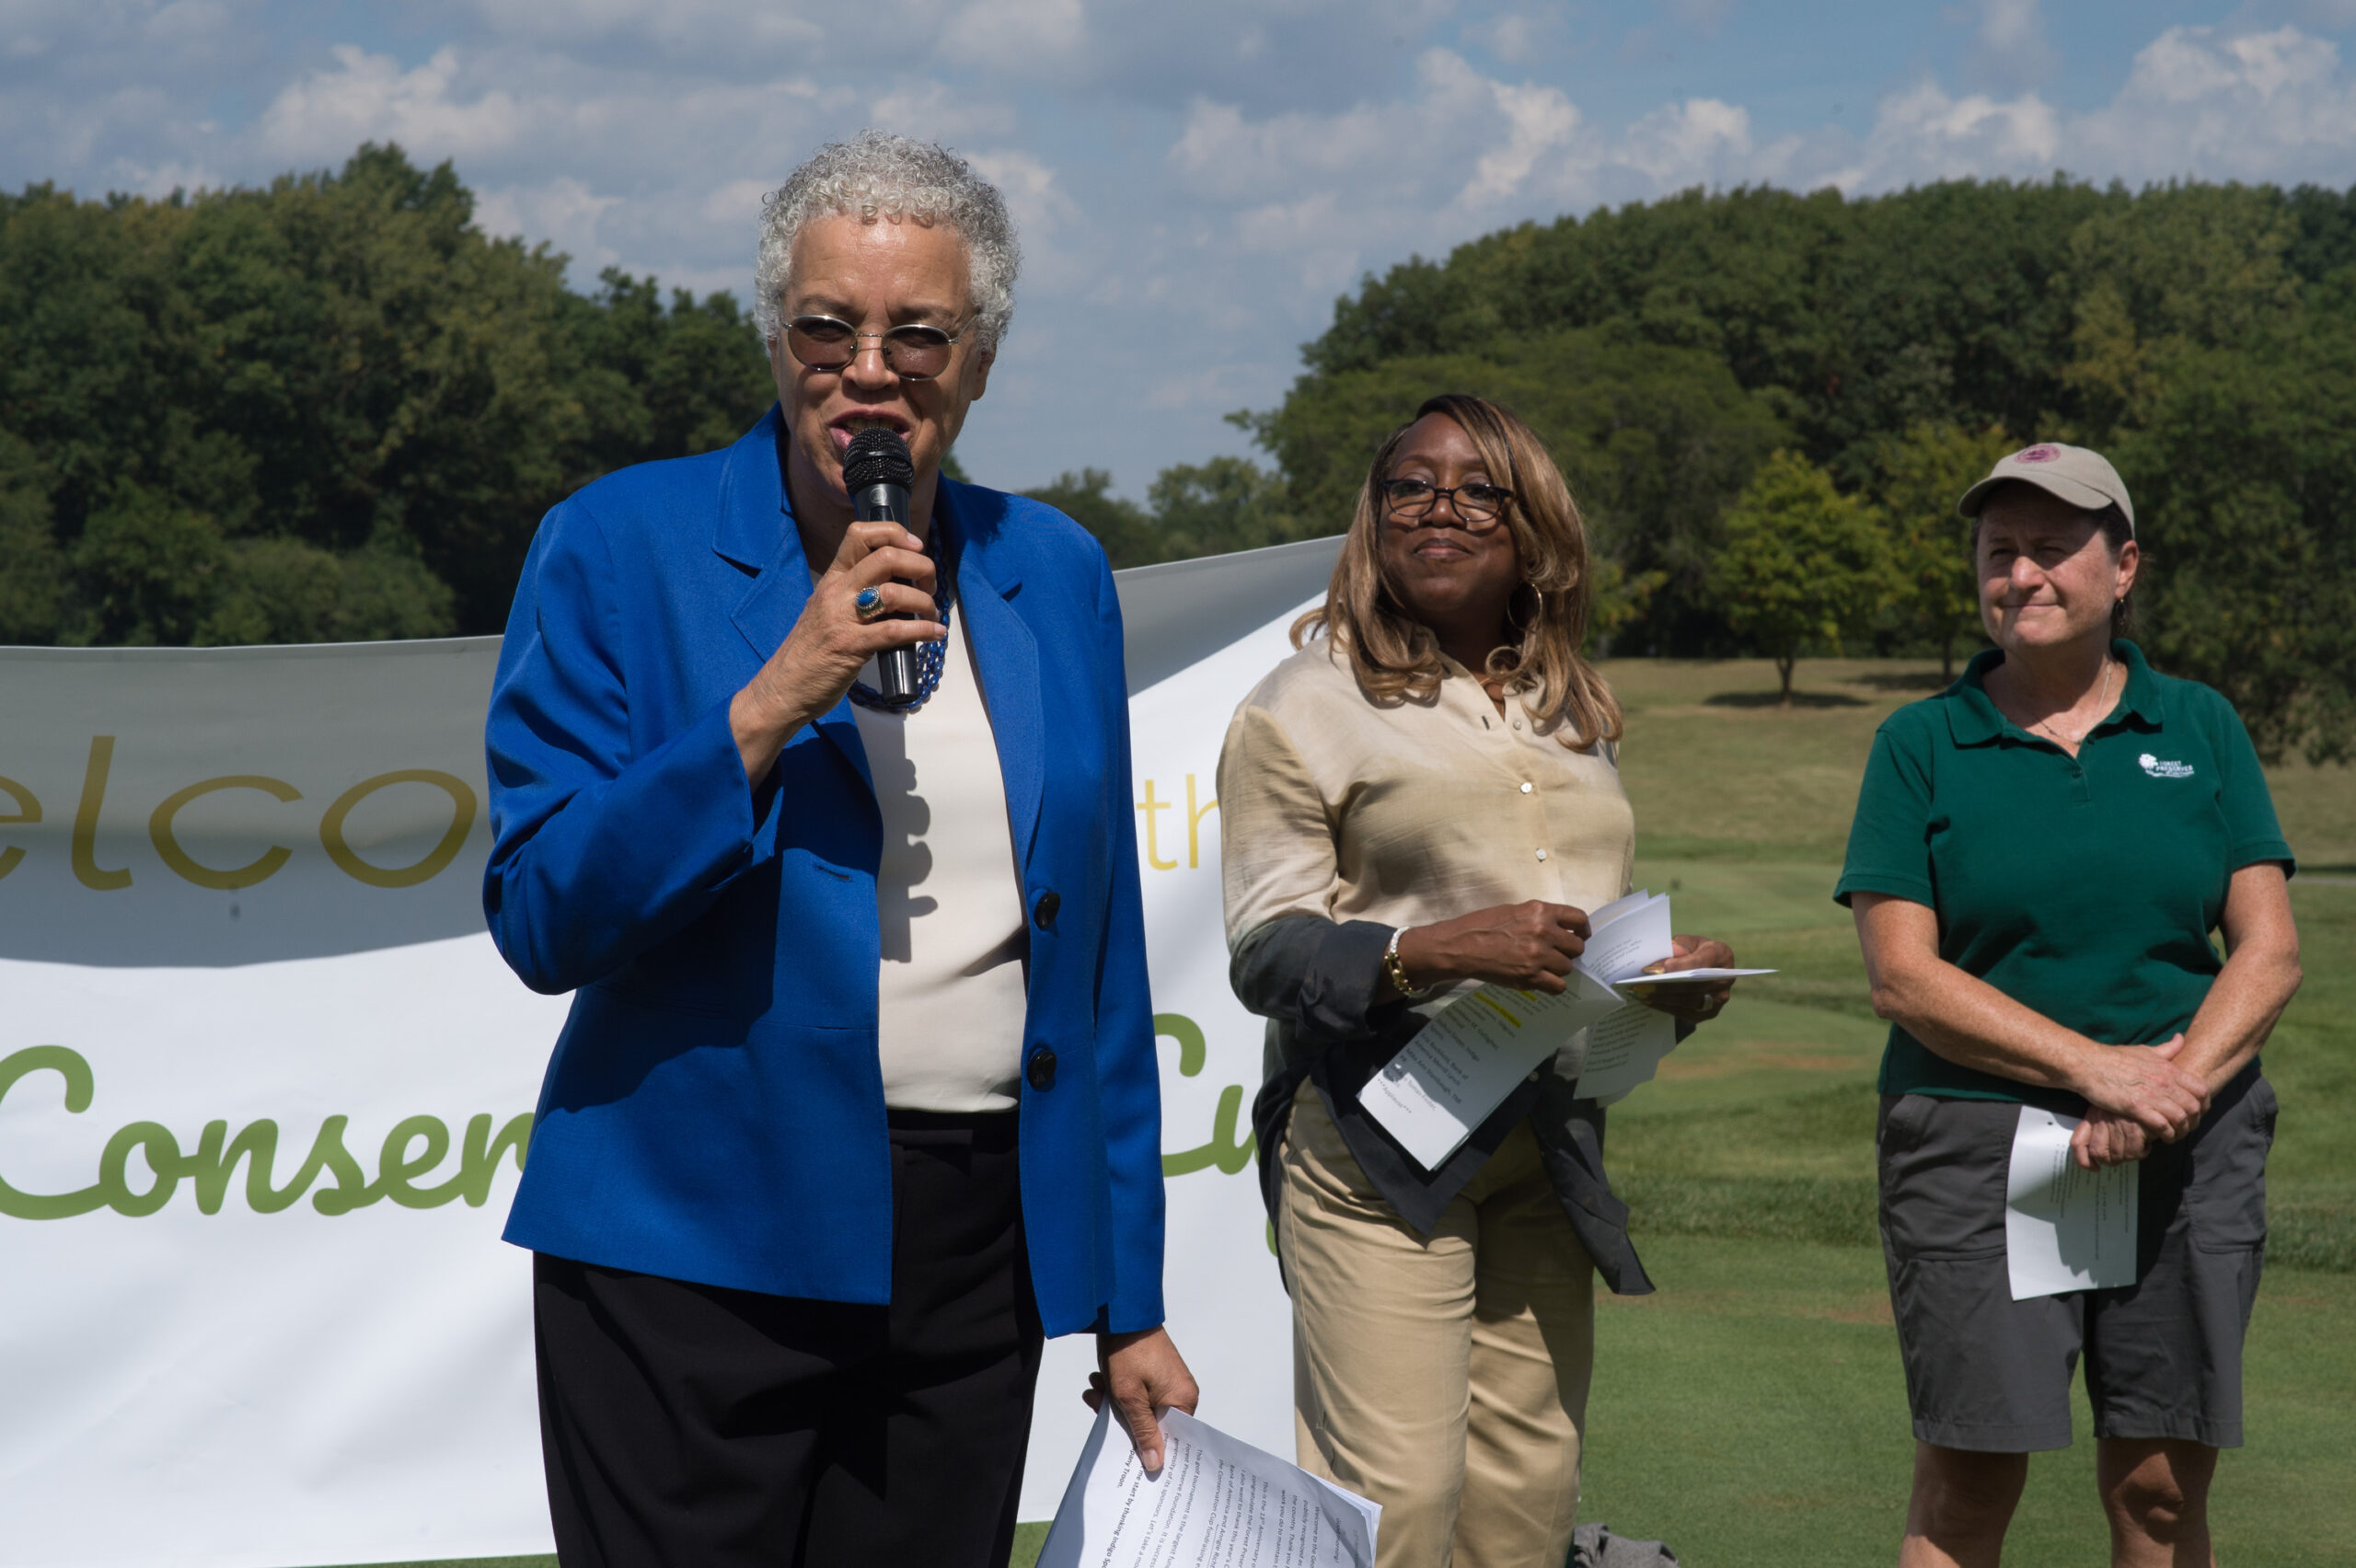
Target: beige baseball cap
(2086, 479)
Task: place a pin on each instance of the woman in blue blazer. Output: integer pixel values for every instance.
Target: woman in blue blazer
(858, 1097)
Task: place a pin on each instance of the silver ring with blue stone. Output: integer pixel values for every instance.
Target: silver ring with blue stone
(867, 603)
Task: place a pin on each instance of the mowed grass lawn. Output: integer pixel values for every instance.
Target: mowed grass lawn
(1752, 1413)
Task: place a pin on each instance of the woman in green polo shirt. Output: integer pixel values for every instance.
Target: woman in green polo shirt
(2039, 856)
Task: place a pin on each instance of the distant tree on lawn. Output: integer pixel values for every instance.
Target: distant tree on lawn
(1802, 565)
(1921, 475)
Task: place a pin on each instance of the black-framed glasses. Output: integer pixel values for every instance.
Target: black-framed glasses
(915, 350)
(1478, 507)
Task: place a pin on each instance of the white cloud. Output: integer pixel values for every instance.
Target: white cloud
(933, 110)
(368, 98)
(2197, 102)
(1017, 35)
(2262, 106)
(1463, 154)
(163, 178)
(1922, 134)
(738, 202)
(1539, 121)
(2009, 42)
(565, 212)
(188, 22)
(1521, 35)
(1700, 141)
(1037, 201)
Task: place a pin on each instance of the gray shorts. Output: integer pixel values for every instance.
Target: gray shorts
(2164, 1355)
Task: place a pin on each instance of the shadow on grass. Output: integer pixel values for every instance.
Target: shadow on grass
(1773, 699)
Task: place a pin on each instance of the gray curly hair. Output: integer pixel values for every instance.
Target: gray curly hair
(876, 174)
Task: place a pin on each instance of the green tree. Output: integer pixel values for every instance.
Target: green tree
(148, 566)
(1654, 442)
(1803, 565)
(329, 407)
(1120, 526)
(1919, 477)
(1197, 509)
(32, 569)
(1224, 504)
(2193, 267)
(2245, 483)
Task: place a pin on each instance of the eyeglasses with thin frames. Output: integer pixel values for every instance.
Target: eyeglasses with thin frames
(914, 351)
(1478, 507)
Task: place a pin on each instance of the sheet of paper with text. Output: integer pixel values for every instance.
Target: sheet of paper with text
(2065, 1228)
(1218, 1502)
(1625, 1050)
(1443, 1083)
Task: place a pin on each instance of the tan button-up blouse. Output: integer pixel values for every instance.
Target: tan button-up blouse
(1411, 813)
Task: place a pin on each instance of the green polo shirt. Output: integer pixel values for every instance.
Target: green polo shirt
(2084, 887)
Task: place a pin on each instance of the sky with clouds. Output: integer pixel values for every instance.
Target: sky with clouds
(1195, 182)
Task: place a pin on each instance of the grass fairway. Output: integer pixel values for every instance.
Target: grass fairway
(1752, 1413)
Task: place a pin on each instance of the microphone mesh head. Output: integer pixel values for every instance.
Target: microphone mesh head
(878, 456)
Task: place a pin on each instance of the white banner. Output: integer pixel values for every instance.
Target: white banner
(264, 1089)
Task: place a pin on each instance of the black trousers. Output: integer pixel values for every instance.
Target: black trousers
(690, 1426)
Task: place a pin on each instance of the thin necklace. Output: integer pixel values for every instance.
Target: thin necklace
(2102, 708)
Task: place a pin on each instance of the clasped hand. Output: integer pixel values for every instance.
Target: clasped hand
(2136, 1096)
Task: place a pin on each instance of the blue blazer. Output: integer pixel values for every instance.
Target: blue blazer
(715, 1109)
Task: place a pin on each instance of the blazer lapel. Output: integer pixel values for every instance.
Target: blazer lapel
(1007, 658)
(756, 528)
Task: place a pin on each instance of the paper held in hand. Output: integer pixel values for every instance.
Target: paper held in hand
(1445, 1081)
(2064, 1228)
(1217, 1503)
(1443, 1084)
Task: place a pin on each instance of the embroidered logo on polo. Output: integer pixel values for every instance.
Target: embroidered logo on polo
(2159, 769)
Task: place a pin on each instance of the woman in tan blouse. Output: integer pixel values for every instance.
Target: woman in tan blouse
(1396, 825)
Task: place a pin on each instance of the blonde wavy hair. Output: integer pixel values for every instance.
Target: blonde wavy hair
(1396, 657)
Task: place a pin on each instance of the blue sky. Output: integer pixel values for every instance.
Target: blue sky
(1195, 182)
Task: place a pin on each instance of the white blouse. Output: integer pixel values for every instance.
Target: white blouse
(1409, 813)
(952, 991)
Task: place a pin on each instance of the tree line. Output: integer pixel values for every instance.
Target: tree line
(1767, 404)
(327, 409)
(333, 409)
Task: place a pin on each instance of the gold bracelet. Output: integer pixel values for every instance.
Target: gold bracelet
(1398, 971)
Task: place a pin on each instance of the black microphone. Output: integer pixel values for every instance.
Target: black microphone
(878, 473)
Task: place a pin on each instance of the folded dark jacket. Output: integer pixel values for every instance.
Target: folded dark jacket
(1333, 1021)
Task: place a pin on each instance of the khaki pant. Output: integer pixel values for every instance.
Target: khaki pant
(1445, 1377)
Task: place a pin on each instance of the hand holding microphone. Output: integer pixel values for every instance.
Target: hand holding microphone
(879, 564)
